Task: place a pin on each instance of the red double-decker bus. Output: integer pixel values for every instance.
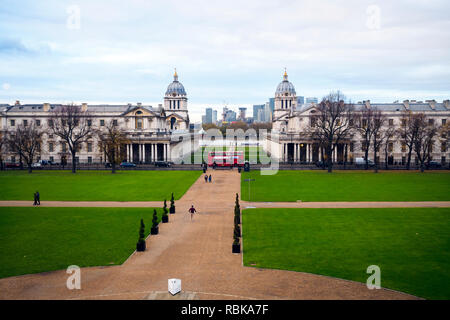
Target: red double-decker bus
(226, 158)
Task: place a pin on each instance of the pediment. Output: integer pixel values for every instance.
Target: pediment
(139, 111)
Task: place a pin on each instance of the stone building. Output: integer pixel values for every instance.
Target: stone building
(150, 130)
(290, 141)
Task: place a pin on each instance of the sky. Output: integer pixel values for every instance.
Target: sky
(226, 52)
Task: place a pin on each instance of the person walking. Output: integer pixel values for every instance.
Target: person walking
(192, 211)
(38, 198)
(206, 178)
(35, 199)
(209, 178)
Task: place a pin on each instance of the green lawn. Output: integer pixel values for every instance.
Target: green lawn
(96, 185)
(411, 246)
(38, 239)
(347, 186)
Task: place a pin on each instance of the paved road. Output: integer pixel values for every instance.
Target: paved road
(199, 253)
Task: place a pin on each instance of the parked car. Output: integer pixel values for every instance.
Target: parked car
(362, 162)
(127, 165)
(12, 165)
(166, 164)
(108, 165)
(434, 164)
(41, 163)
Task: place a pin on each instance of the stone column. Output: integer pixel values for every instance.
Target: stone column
(143, 153)
(131, 152)
(307, 152)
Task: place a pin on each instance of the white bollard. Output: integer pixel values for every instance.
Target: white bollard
(174, 286)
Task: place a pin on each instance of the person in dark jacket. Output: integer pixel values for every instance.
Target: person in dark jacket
(35, 199)
(38, 198)
(206, 178)
(210, 177)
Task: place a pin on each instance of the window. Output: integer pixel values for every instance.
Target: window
(443, 147)
(391, 122)
(90, 160)
(363, 145)
(102, 123)
(13, 123)
(403, 122)
(13, 159)
(38, 123)
(403, 147)
(138, 123)
(63, 147)
(351, 146)
(50, 136)
(50, 123)
(89, 122)
(25, 123)
(52, 159)
(444, 121)
(431, 146)
(430, 122)
(364, 123)
(351, 122)
(390, 147)
(89, 147)
(115, 123)
(50, 147)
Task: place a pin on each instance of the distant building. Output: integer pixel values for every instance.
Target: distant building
(229, 115)
(214, 116)
(258, 110)
(242, 113)
(300, 100)
(312, 100)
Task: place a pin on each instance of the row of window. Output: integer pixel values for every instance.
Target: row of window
(51, 147)
(12, 122)
(403, 147)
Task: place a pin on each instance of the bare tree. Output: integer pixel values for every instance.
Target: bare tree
(111, 140)
(379, 121)
(407, 132)
(332, 123)
(72, 125)
(26, 141)
(423, 144)
(365, 125)
(387, 136)
(2, 145)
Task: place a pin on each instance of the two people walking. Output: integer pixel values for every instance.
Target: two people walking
(37, 199)
(208, 178)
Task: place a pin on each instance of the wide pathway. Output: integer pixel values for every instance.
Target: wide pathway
(199, 253)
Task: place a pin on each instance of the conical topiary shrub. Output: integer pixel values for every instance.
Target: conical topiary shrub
(155, 228)
(165, 217)
(140, 246)
(172, 205)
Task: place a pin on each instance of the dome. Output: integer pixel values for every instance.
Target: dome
(175, 88)
(285, 86)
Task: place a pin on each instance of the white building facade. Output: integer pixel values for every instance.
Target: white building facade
(290, 141)
(150, 131)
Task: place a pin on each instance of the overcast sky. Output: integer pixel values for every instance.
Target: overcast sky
(226, 52)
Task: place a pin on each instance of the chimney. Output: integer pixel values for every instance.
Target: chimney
(367, 103)
(46, 107)
(84, 107)
(406, 104)
(17, 103)
(432, 103)
(446, 104)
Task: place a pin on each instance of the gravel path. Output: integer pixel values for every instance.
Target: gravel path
(198, 252)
